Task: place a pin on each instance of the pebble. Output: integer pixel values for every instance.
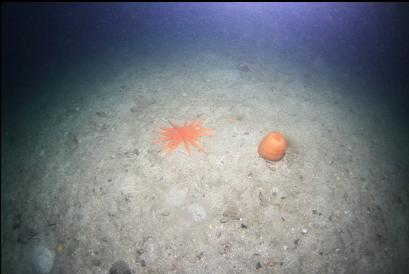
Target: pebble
(304, 231)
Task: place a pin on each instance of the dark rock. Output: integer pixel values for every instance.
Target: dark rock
(314, 212)
(26, 234)
(120, 267)
(258, 265)
(243, 226)
(296, 241)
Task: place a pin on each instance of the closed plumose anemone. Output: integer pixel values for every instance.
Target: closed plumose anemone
(273, 146)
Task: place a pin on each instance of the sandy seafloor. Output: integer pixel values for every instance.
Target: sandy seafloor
(83, 176)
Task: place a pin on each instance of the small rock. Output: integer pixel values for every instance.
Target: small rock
(120, 267)
(314, 212)
(258, 265)
(304, 231)
(296, 241)
(243, 226)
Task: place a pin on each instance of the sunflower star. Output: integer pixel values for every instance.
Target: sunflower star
(188, 134)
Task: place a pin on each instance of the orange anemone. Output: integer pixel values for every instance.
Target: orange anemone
(273, 146)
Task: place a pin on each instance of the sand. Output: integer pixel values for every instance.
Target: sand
(80, 168)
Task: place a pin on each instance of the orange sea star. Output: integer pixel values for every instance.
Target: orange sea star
(188, 134)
